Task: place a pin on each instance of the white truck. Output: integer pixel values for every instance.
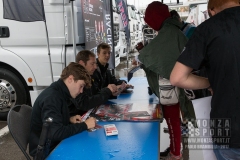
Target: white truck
(119, 34)
(24, 60)
(191, 11)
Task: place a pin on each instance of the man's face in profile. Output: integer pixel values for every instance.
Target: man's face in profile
(75, 87)
(91, 65)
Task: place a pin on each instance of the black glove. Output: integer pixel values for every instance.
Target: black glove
(150, 91)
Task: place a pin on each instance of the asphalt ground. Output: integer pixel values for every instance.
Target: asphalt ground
(3, 124)
(9, 149)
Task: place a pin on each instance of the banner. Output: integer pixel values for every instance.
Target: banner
(108, 28)
(23, 10)
(98, 26)
(122, 7)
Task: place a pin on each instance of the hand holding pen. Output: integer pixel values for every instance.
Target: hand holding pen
(90, 122)
(76, 119)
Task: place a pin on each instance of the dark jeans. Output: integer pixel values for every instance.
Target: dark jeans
(226, 154)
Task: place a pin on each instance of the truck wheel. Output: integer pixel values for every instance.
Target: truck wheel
(12, 92)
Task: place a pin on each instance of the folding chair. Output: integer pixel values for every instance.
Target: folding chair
(19, 118)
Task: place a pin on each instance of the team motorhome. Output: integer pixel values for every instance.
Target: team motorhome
(119, 34)
(139, 27)
(132, 26)
(191, 11)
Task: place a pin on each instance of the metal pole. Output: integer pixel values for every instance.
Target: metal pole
(112, 30)
(128, 44)
(49, 54)
(48, 48)
(128, 47)
(73, 28)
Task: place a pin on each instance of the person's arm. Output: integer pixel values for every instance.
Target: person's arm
(86, 102)
(61, 127)
(113, 79)
(75, 119)
(182, 77)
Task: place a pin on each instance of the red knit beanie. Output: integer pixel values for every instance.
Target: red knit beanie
(156, 13)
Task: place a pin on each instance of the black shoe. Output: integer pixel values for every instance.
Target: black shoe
(165, 153)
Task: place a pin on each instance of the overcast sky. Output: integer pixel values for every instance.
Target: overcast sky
(144, 3)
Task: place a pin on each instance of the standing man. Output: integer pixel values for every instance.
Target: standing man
(94, 96)
(215, 45)
(53, 102)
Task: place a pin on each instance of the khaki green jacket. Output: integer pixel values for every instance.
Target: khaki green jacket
(159, 57)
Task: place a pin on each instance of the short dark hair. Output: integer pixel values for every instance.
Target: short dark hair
(174, 13)
(84, 55)
(78, 72)
(102, 46)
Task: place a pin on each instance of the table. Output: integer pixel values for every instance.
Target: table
(140, 93)
(135, 140)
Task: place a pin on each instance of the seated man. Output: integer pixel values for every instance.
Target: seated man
(102, 75)
(53, 102)
(94, 96)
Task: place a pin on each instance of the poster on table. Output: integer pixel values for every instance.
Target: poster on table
(126, 112)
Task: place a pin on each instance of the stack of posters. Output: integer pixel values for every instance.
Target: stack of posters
(126, 112)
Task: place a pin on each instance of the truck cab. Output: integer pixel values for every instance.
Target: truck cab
(24, 65)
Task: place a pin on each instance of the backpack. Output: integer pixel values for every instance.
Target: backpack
(168, 94)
